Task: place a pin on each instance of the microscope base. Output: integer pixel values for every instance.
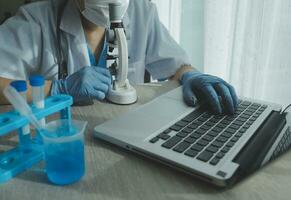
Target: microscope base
(122, 96)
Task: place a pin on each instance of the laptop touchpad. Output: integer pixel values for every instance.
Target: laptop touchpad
(146, 120)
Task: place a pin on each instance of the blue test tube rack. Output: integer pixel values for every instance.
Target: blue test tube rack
(15, 161)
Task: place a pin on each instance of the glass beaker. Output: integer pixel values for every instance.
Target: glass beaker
(64, 151)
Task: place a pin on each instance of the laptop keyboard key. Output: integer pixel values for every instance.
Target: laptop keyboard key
(182, 123)
(171, 142)
(214, 161)
(181, 147)
(217, 144)
(190, 140)
(208, 138)
(187, 119)
(167, 131)
(234, 126)
(234, 139)
(219, 117)
(154, 140)
(225, 122)
(226, 134)
(181, 134)
(217, 129)
(195, 135)
(201, 131)
(230, 118)
(197, 147)
(222, 139)
(242, 130)
(198, 122)
(164, 136)
(242, 119)
(230, 144)
(256, 105)
(176, 128)
(212, 133)
(239, 134)
(206, 115)
(206, 127)
(191, 153)
(209, 123)
(187, 130)
(225, 149)
(214, 120)
(256, 115)
(192, 126)
(246, 126)
(230, 130)
(238, 123)
(203, 142)
(248, 113)
(202, 119)
(220, 155)
(246, 103)
(192, 116)
(212, 149)
(222, 126)
(205, 156)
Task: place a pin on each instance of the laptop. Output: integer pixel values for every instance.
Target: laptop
(219, 149)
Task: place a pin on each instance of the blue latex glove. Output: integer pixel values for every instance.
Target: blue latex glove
(217, 93)
(86, 84)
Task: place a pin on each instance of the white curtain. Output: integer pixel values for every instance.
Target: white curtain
(184, 20)
(248, 42)
(170, 16)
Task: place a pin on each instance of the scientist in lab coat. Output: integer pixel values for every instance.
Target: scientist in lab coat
(29, 45)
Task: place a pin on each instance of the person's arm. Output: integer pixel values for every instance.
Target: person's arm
(183, 69)
(5, 82)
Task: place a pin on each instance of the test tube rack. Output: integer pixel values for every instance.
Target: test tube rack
(16, 160)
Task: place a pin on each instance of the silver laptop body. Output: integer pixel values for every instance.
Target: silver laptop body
(135, 129)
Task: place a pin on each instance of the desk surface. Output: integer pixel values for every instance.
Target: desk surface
(113, 173)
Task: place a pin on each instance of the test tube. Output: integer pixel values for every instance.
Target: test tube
(24, 132)
(37, 92)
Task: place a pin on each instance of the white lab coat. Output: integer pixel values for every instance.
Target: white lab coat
(28, 42)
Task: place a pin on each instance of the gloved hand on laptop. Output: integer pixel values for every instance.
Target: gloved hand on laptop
(218, 94)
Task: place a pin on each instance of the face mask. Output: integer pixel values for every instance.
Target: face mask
(97, 13)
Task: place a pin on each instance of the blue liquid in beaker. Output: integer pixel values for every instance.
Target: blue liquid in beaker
(65, 162)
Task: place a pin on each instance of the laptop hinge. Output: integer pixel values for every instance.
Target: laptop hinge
(252, 155)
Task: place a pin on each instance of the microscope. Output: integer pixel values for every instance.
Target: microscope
(121, 92)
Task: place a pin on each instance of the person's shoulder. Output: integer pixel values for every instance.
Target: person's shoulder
(144, 6)
(141, 11)
(37, 11)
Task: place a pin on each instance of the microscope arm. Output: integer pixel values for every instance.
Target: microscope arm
(122, 70)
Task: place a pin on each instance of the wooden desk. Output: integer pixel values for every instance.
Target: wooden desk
(113, 173)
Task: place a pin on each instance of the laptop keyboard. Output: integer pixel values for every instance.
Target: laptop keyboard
(207, 137)
(283, 145)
